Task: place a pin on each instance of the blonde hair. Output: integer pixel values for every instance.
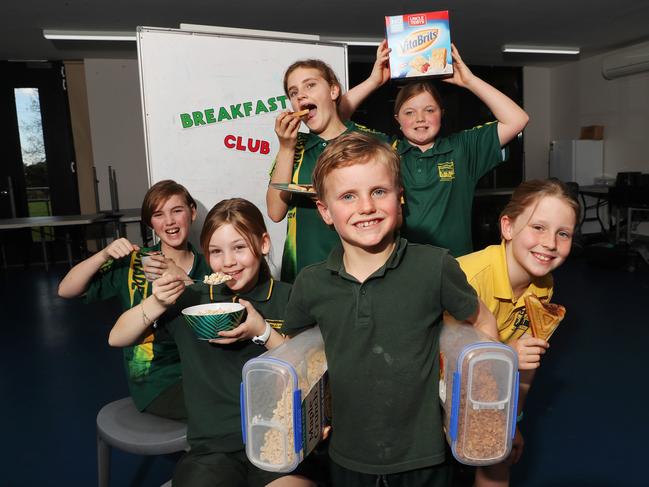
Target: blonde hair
(529, 193)
(246, 219)
(350, 149)
(325, 71)
(161, 192)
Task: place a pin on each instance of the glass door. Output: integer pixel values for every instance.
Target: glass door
(37, 177)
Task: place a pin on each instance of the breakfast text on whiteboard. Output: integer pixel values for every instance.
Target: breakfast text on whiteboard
(232, 112)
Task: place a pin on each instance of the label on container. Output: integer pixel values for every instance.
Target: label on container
(313, 416)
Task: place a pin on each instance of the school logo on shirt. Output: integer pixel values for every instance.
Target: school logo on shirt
(446, 171)
(275, 324)
(521, 322)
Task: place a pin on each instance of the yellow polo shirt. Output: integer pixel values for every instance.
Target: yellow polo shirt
(486, 271)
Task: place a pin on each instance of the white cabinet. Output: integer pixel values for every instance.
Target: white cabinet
(580, 161)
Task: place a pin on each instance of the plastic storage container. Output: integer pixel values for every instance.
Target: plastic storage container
(478, 389)
(282, 402)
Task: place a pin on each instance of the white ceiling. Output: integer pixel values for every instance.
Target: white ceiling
(478, 27)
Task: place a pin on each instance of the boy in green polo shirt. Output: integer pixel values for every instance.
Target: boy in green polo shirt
(378, 301)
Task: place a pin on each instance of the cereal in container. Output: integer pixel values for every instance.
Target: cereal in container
(478, 389)
(282, 402)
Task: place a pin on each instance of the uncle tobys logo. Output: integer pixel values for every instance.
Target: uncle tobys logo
(419, 40)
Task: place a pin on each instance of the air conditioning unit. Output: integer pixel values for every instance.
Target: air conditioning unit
(632, 60)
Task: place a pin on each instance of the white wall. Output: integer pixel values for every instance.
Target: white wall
(580, 96)
(117, 130)
(536, 100)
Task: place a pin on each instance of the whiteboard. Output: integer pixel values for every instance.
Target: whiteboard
(209, 105)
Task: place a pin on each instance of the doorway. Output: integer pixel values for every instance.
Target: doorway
(37, 174)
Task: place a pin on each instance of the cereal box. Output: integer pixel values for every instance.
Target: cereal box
(420, 43)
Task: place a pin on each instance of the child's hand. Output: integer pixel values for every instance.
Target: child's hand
(253, 326)
(286, 128)
(517, 448)
(462, 75)
(170, 268)
(118, 248)
(529, 350)
(168, 288)
(155, 265)
(381, 70)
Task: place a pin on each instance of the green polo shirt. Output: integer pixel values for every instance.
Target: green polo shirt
(382, 345)
(153, 365)
(308, 238)
(212, 373)
(439, 185)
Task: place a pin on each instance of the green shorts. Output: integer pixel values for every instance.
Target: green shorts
(435, 476)
(210, 469)
(170, 403)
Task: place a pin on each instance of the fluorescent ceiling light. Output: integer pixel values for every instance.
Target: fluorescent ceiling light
(88, 35)
(353, 42)
(540, 49)
(216, 29)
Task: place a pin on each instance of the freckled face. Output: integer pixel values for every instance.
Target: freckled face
(362, 203)
(540, 238)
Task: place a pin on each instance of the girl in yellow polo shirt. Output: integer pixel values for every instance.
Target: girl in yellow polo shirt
(537, 226)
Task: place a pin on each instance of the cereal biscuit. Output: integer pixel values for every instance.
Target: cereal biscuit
(438, 58)
(420, 63)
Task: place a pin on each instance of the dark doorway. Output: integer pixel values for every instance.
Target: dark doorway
(37, 174)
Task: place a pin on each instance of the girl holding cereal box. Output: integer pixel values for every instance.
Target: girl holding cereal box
(440, 174)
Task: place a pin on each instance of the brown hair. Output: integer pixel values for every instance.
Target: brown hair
(161, 192)
(325, 71)
(246, 219)
(414, 89)
(350, 149)
(530, 193)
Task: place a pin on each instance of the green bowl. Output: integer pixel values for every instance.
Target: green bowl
(206, 323)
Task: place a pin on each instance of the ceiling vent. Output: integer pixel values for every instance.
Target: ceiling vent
(625, 62)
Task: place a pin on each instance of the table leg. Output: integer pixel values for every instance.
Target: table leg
(44, 248)
(628, 225)
(68, 248)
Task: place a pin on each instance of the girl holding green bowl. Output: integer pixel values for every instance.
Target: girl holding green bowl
(235, 242)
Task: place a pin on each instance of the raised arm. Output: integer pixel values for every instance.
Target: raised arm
(380, 74)
(511, 118)
(76, 281)
(277, 201)
(133, 323)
